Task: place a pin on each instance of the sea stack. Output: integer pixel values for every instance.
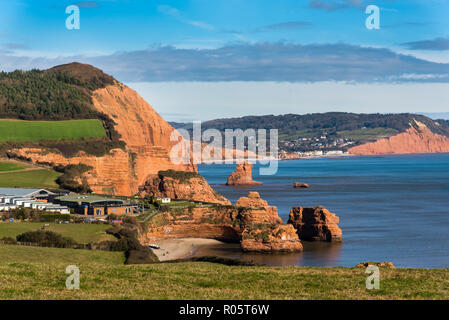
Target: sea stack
(315, 224)
(242, 176)
(260, 211)
(263, 229)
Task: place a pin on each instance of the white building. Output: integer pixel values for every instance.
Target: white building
(165, 200)
(19, 201)
(12, 198)
(25, 193)
(58, 209)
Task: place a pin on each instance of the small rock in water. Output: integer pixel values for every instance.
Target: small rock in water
(300, 185)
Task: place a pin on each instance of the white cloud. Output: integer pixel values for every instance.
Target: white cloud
(175, 13)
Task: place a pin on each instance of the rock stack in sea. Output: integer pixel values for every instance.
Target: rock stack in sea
(263, 229)
(315, 224)
(242, 176)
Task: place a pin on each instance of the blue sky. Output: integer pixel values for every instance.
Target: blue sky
(165, 46)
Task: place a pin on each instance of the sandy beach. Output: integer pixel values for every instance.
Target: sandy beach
(172, 249)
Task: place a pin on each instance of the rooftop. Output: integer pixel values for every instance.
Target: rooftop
(20, 192)
(87, 199)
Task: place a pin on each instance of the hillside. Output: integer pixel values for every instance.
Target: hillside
(85, 118)
(329, 131)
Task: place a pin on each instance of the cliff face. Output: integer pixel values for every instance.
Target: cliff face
(242, 176)
(418, 139)
(256, 226)
(315, 224)
(260, 211)
(278, 238)
(181, 185)
(147, 138)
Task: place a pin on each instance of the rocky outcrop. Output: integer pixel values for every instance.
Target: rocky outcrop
(274, 238)
(260, 211)
(242, 176)
(181, 185)
(300, 185)
(253, 223)
(417, 139)
(315, 224)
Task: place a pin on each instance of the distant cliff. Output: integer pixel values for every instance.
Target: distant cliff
(417, 139)
(340, 131)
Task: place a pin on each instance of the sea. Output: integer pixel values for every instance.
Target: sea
(391, 208)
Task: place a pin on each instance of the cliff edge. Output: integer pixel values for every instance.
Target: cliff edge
(143, 134)
(417, 139)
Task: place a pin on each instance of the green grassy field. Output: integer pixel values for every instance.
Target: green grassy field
(48, 256)
(368, 134)
(21, 131)
(39, 273)
(11, 166)
(41, 178)
(80, 232)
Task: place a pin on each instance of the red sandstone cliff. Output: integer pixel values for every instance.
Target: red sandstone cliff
(418, 139)
(147, 138)
(252, 222)
(242, 176)
(260, 211)
(182, 186)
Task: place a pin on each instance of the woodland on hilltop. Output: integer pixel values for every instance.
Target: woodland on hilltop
(326, 131)
(54, 94)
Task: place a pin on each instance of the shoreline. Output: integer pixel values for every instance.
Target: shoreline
(181, 248)
(333, 156)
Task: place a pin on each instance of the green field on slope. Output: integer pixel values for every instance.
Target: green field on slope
(40, 178)
(80, 232)
(25, 131)
(39, 273)
(372, 134)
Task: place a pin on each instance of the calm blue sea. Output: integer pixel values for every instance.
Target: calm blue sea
(391, 208)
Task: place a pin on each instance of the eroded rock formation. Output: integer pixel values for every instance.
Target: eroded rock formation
(315, 224)
(253, 223)
(260, 211)
(274, 238)
(242, 176)
(417, 139)
(181, 185)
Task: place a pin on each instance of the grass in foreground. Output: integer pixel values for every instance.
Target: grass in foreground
(39, 273)
(28, 131)
(41, 178)
(81, 233)
(23, 255)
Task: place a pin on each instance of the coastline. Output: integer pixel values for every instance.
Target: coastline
(173, 249)
(253, 160)
(351, 155)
